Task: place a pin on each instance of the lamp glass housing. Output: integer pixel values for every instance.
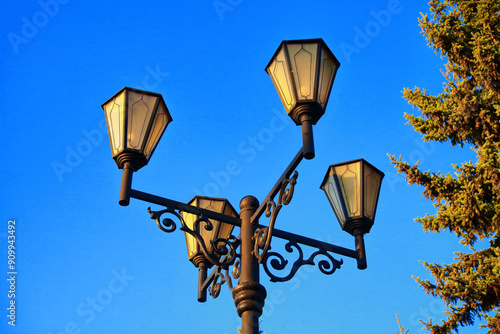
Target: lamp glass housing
(219, 229)
(353, 188)
(303, 72)
(136, 120)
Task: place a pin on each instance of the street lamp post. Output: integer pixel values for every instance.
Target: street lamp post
(303, 72)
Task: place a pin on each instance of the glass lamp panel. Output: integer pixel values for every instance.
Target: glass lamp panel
(328, 68)
(212, 205)
(140, 111)
(225, 229)
(349, 176)
(373, 178)
(191, 244)
(279, 72)
(219, 230)
(162, 119)
(303, 58)
(331, 188)
(114, 111)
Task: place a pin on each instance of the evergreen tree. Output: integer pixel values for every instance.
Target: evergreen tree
(466, 33)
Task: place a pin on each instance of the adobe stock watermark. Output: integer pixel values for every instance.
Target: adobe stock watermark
(223, 6)
(434, 309)
(88, 309)
(247, 151)
(30, 26)
(371, 29)
(92, 138)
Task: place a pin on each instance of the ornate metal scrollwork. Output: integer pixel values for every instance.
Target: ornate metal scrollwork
(262, 237)
(167, 225)
(219, 278)
(216, 284)
(278, 262)
(236, 270)
(223, 248)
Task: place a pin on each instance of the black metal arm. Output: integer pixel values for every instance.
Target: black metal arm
(277, 187)
(283, 188)
(174, 205)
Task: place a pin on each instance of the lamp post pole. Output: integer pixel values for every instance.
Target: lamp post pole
(249, 294)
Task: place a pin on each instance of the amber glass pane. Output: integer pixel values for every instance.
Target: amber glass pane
(327, 68)
(191, 244)
(349, 177)
(226, 229)
(373, 180)
(303, 58)
(114, 111)
(279, 72)
(212, 205)
(160, 123)
(140, 111)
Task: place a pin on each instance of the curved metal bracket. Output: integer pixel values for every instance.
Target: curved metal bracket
(224, 248)
(262, 237)
(326, 266)
(220, 278)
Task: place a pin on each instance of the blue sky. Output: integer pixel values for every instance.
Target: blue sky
(87, 265)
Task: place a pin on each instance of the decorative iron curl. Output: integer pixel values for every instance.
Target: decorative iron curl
(167, 225)
(262, 237)
(236, 270)
(224, 248)
(219, 279)
(214, 289)
(278, 262)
